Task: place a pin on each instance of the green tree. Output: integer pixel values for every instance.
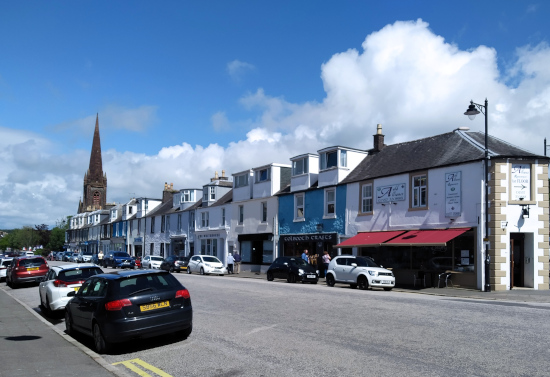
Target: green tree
(57, 239)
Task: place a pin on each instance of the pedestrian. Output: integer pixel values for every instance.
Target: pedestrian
(305, 256)
(100, 258)
(237, 259)
(230, 262)
(326, 261)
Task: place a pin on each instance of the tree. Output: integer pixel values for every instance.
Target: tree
(43, 234)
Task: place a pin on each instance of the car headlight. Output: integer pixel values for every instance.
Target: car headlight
(300, 271)
(208, 265)
(373, 273)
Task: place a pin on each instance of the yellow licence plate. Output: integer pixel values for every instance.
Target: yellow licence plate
(32, 268)
(156, 305)
(76, 289)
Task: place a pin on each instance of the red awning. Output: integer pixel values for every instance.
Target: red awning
(432, 237)
(370, 238)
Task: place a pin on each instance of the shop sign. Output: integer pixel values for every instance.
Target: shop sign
(209, 235)
(310, 238)
(453, 194)
(521, 182)
(391, 193)
(138, 239)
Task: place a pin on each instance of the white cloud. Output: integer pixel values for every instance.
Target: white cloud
(405, 77)
(236, 69)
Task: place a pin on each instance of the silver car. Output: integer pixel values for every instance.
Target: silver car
(359, 272)
(206, 264)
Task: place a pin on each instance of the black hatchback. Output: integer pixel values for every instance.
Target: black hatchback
(292, 269)
(174, 263)
(123, 305)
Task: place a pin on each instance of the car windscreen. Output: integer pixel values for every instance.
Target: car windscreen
(157, 258)
(365, 262)
(298, 262)
(211, 259)
(134, 285)
(123, 255)
(31, 262)
(78, 274)
(6, 263)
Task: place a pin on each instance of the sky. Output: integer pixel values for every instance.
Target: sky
(184, 89)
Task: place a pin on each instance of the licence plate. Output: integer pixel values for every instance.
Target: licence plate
(386, 281)
(76, 289)
(32, 268)
(311, 276)
(156, 305)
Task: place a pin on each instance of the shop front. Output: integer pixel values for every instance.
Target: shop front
(293, 245)
(211, 243)
(177, 246)
(256, 251)
(116, 244)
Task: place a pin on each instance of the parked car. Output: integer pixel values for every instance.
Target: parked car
(74, 258)
(123, 305)
(292, 269)
(61, 280)
(206, 264)
(26, 270)
(118, 259)
(27, 253)
(174, 263)
(359, 272)
(84, 257)
(67, 256)
(59, 256)
(4, 263)
(151, 261)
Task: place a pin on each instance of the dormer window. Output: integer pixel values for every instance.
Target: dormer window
(300, 167)
(130, 210)
(330, 159)
(263, 175)
(188, 196)
(212, 193)
(241, 180)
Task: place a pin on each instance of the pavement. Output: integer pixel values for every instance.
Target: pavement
(34, 347)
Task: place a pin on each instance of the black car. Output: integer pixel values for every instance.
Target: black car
(123, 305)
(174, 263)
(292, 269)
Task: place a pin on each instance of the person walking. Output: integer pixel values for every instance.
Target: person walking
(100, 258)
(305, 256)
(326, 261)
(230, 262)
(237, 260)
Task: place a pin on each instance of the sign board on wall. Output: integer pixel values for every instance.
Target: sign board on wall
(391, 193)
(521, 182)
(453, 194)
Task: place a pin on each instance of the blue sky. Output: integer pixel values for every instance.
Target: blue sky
(184, 89)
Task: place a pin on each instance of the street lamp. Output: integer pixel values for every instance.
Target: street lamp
(472, 112)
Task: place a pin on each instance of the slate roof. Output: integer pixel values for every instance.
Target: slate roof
(227, 198)
(447, 149)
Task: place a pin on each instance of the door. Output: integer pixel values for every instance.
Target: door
(517, 256)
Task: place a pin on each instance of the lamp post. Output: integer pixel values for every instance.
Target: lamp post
(472, 112)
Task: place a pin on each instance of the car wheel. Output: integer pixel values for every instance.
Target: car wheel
(43, 307)
(330, 280)
(188, 270)
(387, 288)
(291, 278)
(362, 282)
(269, 276)
(68, 323)
(202, 271)
(221, 274)
(171, 270)
(101, 345)
(184, 334)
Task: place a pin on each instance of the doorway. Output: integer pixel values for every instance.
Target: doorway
(517, 256)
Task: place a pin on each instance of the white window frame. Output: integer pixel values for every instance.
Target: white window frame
(241, 215)
(264, 212)
(300, 167)
(324, 160)
(299, 205)
(419, 190)
(212, 193)
(259, 173)
(366, 202)
(330, 203)
(205, 219)
(241, 180)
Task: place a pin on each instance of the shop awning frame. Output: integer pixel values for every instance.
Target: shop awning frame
(426, 237)
(370, 239)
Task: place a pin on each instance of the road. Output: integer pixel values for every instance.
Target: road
(250, 327)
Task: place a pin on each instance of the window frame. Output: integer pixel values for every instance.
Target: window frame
(264, 212)
(258, 175)
(297, 206)
(304, 168)
(241, 180)
(363, 198)
(327, 203)
(418, 189)
(240, 219)
(205, 219)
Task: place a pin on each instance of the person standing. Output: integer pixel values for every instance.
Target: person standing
(326, 261)
(100, 258)
(305, 256)
(237, 260)
(230, 262)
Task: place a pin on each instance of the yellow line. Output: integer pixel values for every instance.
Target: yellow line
(129, 364)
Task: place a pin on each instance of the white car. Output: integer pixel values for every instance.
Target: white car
(84, 258)
(151, 261)
(4, 263)
(359, 272)
(206, 264)
(61, 280)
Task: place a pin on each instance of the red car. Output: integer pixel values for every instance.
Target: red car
(26, 270)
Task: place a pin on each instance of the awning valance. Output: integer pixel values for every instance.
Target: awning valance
(428, 237)
(370, 239)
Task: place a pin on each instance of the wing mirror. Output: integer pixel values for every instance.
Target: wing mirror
(354, 265)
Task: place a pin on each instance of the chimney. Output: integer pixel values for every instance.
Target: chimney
(378, 139)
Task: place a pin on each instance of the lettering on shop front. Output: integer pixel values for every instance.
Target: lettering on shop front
(309, 237)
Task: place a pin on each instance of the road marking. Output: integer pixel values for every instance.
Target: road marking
(257, 329)
(130, 364)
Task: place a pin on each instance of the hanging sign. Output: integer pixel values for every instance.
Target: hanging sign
(453, 194)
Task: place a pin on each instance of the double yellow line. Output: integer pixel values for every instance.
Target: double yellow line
(133, 366)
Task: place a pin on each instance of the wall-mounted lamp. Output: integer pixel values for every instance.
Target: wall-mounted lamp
(394, 203)
(451, 221)
(524, 211)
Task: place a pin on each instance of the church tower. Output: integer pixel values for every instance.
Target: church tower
(95, 181)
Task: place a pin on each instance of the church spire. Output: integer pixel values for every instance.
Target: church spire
(95, 171)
